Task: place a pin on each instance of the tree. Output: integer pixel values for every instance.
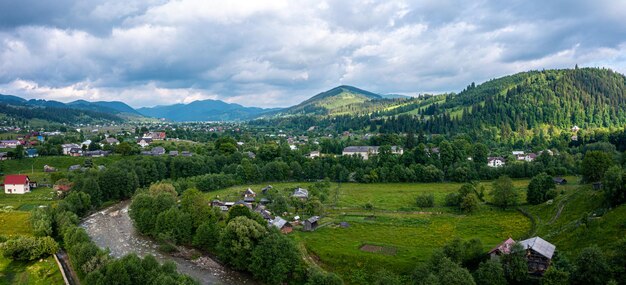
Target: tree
(554, 276)
(240, 236)
(490, 272)
(274, 259)
(594, 165)
(91, 187)
(540, 189)
(591, 267)
(614, 186)
(515, 265)
(28, 248)
(196, 205)
(19, 152)
(504, 193)
(470, 203)
(480, 154)
(207, 236)
(318, 277)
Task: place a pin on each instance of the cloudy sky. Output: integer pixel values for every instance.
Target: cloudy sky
(273, 53)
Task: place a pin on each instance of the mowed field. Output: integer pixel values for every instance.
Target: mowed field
(406, 233)
(14, 220)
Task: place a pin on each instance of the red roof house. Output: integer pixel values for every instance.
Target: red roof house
(16, 184)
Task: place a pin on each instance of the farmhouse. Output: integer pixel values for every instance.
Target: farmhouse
(300, 193)
(311, 223)
(111, 141)
(539, 254)
(367, 151)
(16, 184)
(495, 161)
(281, 224)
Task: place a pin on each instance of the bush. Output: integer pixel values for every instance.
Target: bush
(453, 200)
(425, 200)
(28, 248)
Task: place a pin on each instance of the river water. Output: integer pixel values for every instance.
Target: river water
(112, 228)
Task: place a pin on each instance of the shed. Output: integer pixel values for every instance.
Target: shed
(249, 193)
(266, 188)
(281, 224)
(300, 193)
(311, 223)
(559, 180)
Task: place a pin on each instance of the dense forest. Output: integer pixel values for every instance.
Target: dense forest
(57, 115)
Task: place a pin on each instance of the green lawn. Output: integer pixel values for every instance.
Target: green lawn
(38, 272)
(61, 163)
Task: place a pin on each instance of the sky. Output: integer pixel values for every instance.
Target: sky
(275, 53)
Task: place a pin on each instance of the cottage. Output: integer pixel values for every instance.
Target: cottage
(249, 193)
(311, 223)
(539, 254)
(48, 168)
(265, 189)
(300, 193)
(86, 143)
(16, 184)
(502, 249)
(313, 154)
(281, 224)
(559, 180)
(367, 151)
(495, 161)
(267, 215)
(144, 142)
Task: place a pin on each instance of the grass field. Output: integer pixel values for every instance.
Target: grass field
(14, 220)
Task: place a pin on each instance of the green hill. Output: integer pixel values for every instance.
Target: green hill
(328, 102)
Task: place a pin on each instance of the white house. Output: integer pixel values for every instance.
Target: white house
(86, 143)
(314, 154)
(495, 161)
(518, 152)
(144, 142)
(16, 184)
(367, 151)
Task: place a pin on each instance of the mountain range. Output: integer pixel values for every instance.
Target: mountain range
(585, 96)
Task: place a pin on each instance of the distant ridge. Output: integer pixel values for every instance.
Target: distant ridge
(204, 110)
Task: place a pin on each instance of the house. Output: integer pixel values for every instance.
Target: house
(186, 153)
(267, 215)
(243, 203)
(74, 167)
(300, 193)
(539, 254)
(518, 152)
(16, 184)
(249, 193)
(86, 143)
(313, 154)
(266, 188)
(48, 168)
(155, 135)
(281, 224)
(311, 223)
(10, 143)
(495, 161)
(501, 249)
(4, 156)
(68, 147)
(367, 151)
(526, 157)
(96, 153)
(173, 153)
(144, 142)
(111, 141)
(158, 150)
(251, 155)
(249, 200)
(76, 152)
(32, 152)
(574, 138)
(559, 180)
(575, 129)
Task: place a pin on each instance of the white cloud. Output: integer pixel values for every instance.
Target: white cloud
(276, 53)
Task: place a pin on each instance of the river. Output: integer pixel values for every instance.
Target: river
(112, 228)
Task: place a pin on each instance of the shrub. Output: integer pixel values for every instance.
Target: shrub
(425, 200)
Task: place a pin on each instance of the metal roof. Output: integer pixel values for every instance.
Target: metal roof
(539, 245)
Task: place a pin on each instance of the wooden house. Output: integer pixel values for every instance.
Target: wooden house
(539, 255)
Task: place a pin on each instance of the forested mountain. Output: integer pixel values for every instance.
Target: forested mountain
(112, 107)
(559, 99)
(332, 101)
(205, 110)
